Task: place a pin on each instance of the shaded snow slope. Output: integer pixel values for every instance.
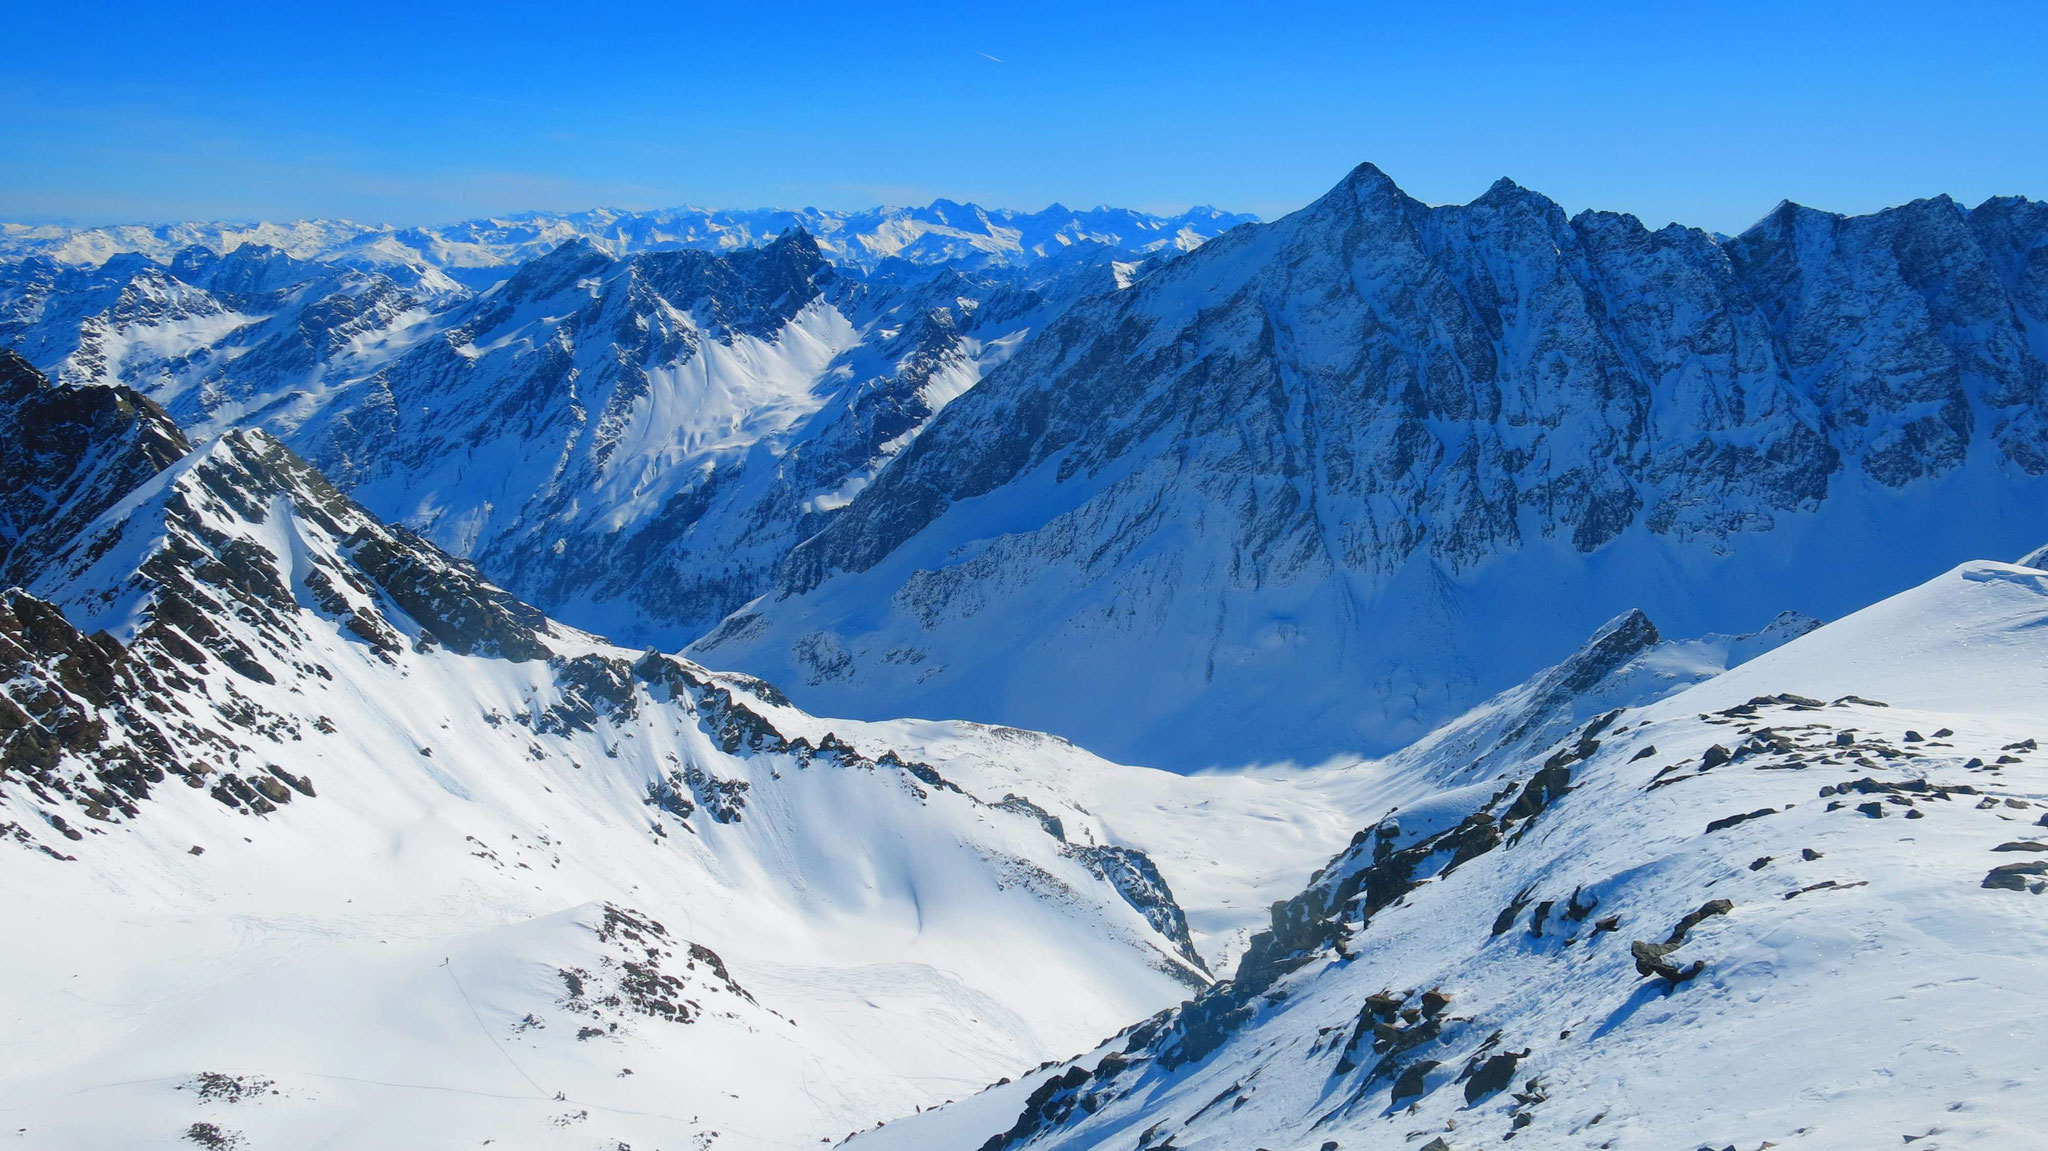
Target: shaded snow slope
(1325, 483)
(1795, 905)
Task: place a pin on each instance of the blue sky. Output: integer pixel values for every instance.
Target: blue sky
(418, 113)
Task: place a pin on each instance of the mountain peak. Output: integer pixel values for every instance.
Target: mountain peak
(1368, 177)
(69, 453)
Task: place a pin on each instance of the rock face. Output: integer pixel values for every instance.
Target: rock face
(1377, 459)
(69, 454)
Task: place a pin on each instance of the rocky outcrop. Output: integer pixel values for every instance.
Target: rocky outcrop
(68, 455)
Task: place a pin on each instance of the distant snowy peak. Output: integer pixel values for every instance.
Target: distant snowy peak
(637, 440)
(474, 251)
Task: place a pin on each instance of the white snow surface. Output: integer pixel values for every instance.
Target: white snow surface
(421, 954)
(1866, 988)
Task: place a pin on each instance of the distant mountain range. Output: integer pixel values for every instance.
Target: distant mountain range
(482, 251)
(1347, 473)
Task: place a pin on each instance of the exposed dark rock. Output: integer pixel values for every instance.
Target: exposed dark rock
(1493, 1075)
(1047, 820)
(1726, 822)
(1511, 912)
(69, 454)
(1048, 1105)
(1650, 958)
(1826, 885)
(214, 1137)
(2014, 876)
(1410, 1082)
(1576, 909)
(1137, 879)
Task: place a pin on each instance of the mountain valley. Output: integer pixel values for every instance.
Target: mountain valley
(949, 679)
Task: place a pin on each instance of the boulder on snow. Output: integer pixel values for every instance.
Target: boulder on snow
(1493, 1075)
(2013, 876)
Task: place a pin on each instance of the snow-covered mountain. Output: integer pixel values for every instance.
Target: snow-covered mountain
(323, 839)
(483, 251)
(632, 441)
(1795, 905)
(637, 442)
(318, 838)
(1314, 472)
(1324, 483)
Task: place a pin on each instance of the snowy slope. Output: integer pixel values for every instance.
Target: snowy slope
(327, 841)
(211, 336)
(635, 443)
(631, 441)
(1797, 905)
(1327, 482)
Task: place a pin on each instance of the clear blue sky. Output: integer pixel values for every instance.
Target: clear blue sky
(418, 113)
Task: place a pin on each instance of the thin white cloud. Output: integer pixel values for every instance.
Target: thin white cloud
(986, 56)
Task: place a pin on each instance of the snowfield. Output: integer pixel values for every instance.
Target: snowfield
(331, 843)
(1797, 905)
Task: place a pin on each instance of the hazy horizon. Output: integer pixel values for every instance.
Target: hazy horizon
(389, 113)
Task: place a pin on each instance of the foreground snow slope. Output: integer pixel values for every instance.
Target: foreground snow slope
(326, 841)
(1798, 905)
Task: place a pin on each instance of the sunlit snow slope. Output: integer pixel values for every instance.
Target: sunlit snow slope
(1799, 905)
